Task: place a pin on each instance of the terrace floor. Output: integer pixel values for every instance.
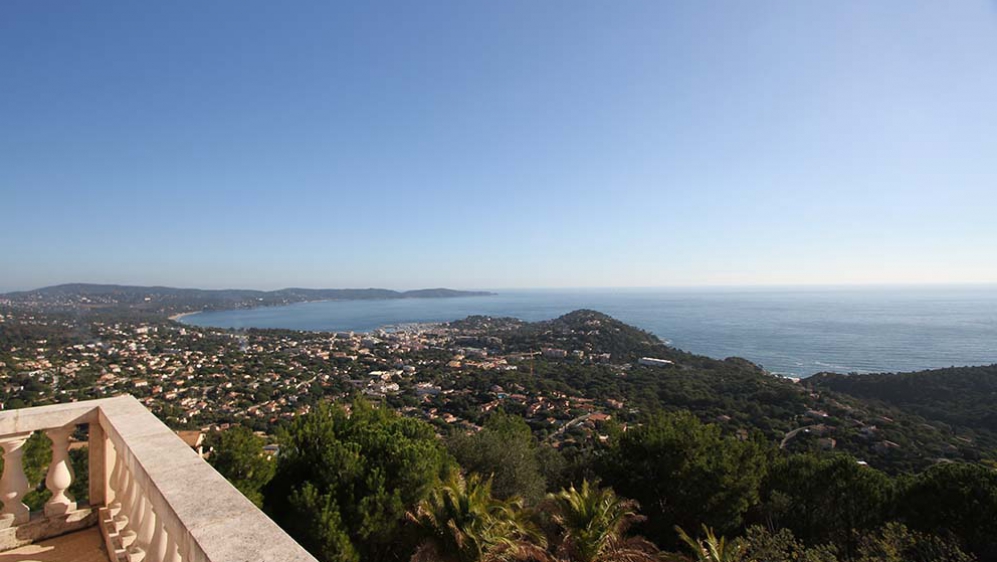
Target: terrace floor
(82, 546)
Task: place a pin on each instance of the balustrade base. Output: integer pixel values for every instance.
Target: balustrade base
(41, 527)
(10, 520)
(112, 539)
(59, 509)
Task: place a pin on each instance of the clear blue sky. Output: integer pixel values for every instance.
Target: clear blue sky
(497, 144)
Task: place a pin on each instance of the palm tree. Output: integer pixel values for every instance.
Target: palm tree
(463, 522)
(711, 549)
(594, 522)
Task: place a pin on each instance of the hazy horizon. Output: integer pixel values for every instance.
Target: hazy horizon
(562, 144)
(635, 288)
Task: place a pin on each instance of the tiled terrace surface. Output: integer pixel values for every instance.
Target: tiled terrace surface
(81, 546)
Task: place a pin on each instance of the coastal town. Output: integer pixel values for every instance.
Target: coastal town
(574, 379)
(202, 377)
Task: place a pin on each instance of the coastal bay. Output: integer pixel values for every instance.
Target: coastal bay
(791, 331)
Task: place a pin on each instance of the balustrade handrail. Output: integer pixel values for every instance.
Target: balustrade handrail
(40, 418)
(171, 490)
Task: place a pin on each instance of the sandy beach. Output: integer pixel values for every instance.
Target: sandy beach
(177, 317)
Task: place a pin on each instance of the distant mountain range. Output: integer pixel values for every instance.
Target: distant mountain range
(173, 300)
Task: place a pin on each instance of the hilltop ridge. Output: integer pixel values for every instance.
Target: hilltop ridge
(170, 300)
(962, 397)
(590, 354)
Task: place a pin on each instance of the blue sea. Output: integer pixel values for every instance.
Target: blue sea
(795, 332)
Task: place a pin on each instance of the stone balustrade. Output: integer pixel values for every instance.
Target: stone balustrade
(154, 498)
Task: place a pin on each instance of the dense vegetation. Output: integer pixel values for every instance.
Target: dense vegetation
(963, 397)
(359, 482)
(345, 480)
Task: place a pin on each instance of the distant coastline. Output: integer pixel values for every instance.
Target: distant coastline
(424, 294)
(178, 316)
(791, 333)
(413, 295)
(175, 303)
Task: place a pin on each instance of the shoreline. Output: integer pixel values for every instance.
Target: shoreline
(713, 327)
(177, 317)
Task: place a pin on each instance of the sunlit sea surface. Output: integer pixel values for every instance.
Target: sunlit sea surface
(795, 332)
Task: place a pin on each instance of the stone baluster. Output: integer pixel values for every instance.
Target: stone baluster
(146, 524)
(60, 473)
(158, 546)
(116, 494)
(137, 550)
(116, 488)
(194, 555)
(187, 549)
(13, 483)
(172, 549)
(127, 518)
